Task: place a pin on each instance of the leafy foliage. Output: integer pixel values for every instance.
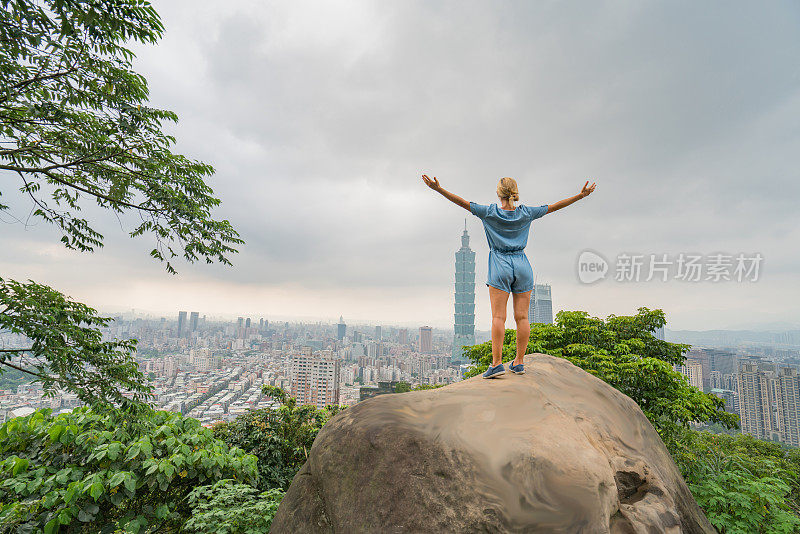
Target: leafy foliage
(67, 351)
(402, 387)
(89, 472)
(738, 501)
(75, 125)
(228, 507)
(280, 437)
(744, 484)
(623, 352)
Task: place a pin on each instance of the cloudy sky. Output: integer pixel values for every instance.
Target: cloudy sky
(320, 117)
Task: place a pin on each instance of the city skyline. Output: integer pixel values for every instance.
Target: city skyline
(317, 108)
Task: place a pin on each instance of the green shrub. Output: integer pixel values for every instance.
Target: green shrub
(737, 501)
(741, 482)
(89, 472)
(279, 437)
(229, 507)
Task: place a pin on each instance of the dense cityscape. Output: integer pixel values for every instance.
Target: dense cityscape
(214, 370)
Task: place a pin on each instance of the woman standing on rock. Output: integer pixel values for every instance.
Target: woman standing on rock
(507, 228)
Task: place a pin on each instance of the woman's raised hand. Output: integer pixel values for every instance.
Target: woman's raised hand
(432, 183)
(587, 189)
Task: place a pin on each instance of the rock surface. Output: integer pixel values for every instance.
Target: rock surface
(553, 450)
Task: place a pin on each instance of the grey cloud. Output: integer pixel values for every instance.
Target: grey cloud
(685, 114)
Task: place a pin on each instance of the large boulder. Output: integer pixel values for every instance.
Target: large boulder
(553, 450)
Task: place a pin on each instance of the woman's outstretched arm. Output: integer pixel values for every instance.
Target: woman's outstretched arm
(586, 191)
(455, 199)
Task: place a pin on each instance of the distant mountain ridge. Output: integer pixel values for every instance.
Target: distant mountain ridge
(716, 337)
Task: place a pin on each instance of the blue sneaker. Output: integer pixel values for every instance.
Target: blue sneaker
(517, 369)
(492, 372)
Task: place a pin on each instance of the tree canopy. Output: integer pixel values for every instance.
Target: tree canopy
(66, 350)
(77, 130)
(76, 127)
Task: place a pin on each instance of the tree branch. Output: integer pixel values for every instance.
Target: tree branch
(23, 83)
(37, 375)
(56, 178)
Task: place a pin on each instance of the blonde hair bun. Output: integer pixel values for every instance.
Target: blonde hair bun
(507, 188)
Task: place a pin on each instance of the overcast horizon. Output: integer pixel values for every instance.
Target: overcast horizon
(320, 119)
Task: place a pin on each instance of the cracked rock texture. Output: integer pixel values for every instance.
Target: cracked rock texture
(553, 450)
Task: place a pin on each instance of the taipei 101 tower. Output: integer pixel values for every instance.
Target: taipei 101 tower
(464, 327)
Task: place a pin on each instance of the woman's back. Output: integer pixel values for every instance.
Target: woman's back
(507, 230)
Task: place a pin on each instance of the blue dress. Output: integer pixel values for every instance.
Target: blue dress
(507, 234)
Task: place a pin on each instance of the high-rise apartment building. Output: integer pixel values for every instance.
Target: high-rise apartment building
(755, 401)
(788, 403)
(403, 336)
(194, 318)
(540, 309)
(425, 339)
(693, 370)
(181, 323)
(315, 380)
(464, 317)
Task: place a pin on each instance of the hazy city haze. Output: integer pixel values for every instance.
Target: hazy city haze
(320, 118)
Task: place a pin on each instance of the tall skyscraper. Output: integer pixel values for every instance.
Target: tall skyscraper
(540, 309)
(341, 329)
(464, 317)
(315, 380)
(378, 333)
(194, 318)
(247, 323)
(425, 339)
(181, 323)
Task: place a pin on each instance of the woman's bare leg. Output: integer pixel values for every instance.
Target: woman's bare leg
(499, 300)
(522, 302)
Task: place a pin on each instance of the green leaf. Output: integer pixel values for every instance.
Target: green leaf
(162, 511)
(52, 526)
(114, 449)
(117, 479)
(20, 465)
(133, 451)
(130, 482)
(96, 490)
(55, 432)
(65, 516)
